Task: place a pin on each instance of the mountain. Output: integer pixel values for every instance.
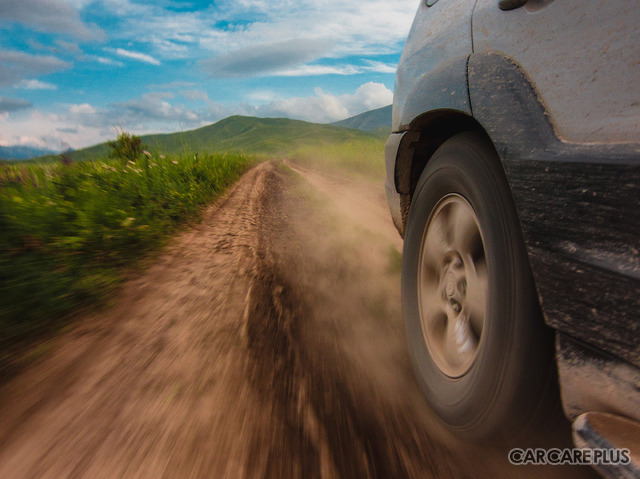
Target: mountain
(238, 133)
(21, 152)
(369, 120)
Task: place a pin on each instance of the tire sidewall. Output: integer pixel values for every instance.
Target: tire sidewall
(477, 403)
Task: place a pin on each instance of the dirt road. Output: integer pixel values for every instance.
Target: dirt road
(267, 342)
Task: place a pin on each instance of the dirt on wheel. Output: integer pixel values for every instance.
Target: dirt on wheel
(266, 342)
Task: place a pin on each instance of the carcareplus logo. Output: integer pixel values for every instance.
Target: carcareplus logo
(587, 457)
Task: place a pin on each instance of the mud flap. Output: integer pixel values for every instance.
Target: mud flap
(610, 435)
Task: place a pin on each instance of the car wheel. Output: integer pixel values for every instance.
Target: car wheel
(481, 351)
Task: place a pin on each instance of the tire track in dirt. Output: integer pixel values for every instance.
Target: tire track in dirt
(353, 434)
(340, 343)
(266, 342)
(157, 386)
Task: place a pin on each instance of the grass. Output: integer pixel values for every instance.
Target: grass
(361, 157)
(69, 233)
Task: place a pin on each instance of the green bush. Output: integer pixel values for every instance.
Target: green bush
(126, 147)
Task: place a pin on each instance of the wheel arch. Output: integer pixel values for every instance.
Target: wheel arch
(502, 105)
(426, 134)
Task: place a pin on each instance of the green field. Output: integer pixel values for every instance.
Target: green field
(70, 233)
(346, 148)
(362, 157)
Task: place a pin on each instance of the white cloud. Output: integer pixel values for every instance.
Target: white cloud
(35, 85)
(324, 107)
(82, 109)
(124, 7)
(55, 16)
(321, 108)
(36, 124)
(261, 96)
(156, 112)
(106, 61)
(19, 65)
(316, 70)
(142, 57)
(151, 108)
(71, 47)
(195, 95)
(246, 37)
(169, 48)
(356, 27)
(369, 96)
(380, 67)
(12, 104)
(266, 57)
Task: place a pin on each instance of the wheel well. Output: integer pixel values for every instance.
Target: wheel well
(433, 129)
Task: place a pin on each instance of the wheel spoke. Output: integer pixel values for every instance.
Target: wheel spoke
(460, 343)
(449, 346)
(436, 245)
(432, 307)
(465, 339)
(430, 272)
(464, 229)
(476, 294)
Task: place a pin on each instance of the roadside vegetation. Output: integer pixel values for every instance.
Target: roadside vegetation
(361, 157)
(74, 226)
(70, 231)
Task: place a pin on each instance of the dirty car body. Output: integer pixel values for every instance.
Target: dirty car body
(552, 87)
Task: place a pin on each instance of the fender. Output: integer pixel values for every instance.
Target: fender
(438, 104)
(443, 88)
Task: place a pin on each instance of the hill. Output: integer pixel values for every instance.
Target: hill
(379, 119)
(18, 152)
(269, 136)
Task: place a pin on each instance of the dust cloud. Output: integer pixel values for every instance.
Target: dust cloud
(267, 342)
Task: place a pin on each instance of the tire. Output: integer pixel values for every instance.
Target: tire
(482, 354)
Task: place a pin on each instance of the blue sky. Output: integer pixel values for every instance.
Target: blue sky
(71, 71)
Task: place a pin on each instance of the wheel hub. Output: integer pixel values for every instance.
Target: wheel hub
(450, 285)
(453, 285)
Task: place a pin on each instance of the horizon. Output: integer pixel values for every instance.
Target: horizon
(76, 69)
(42, 151)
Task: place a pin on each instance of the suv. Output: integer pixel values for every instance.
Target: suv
(513, 174)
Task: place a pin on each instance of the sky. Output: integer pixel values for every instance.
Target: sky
(72, 72)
